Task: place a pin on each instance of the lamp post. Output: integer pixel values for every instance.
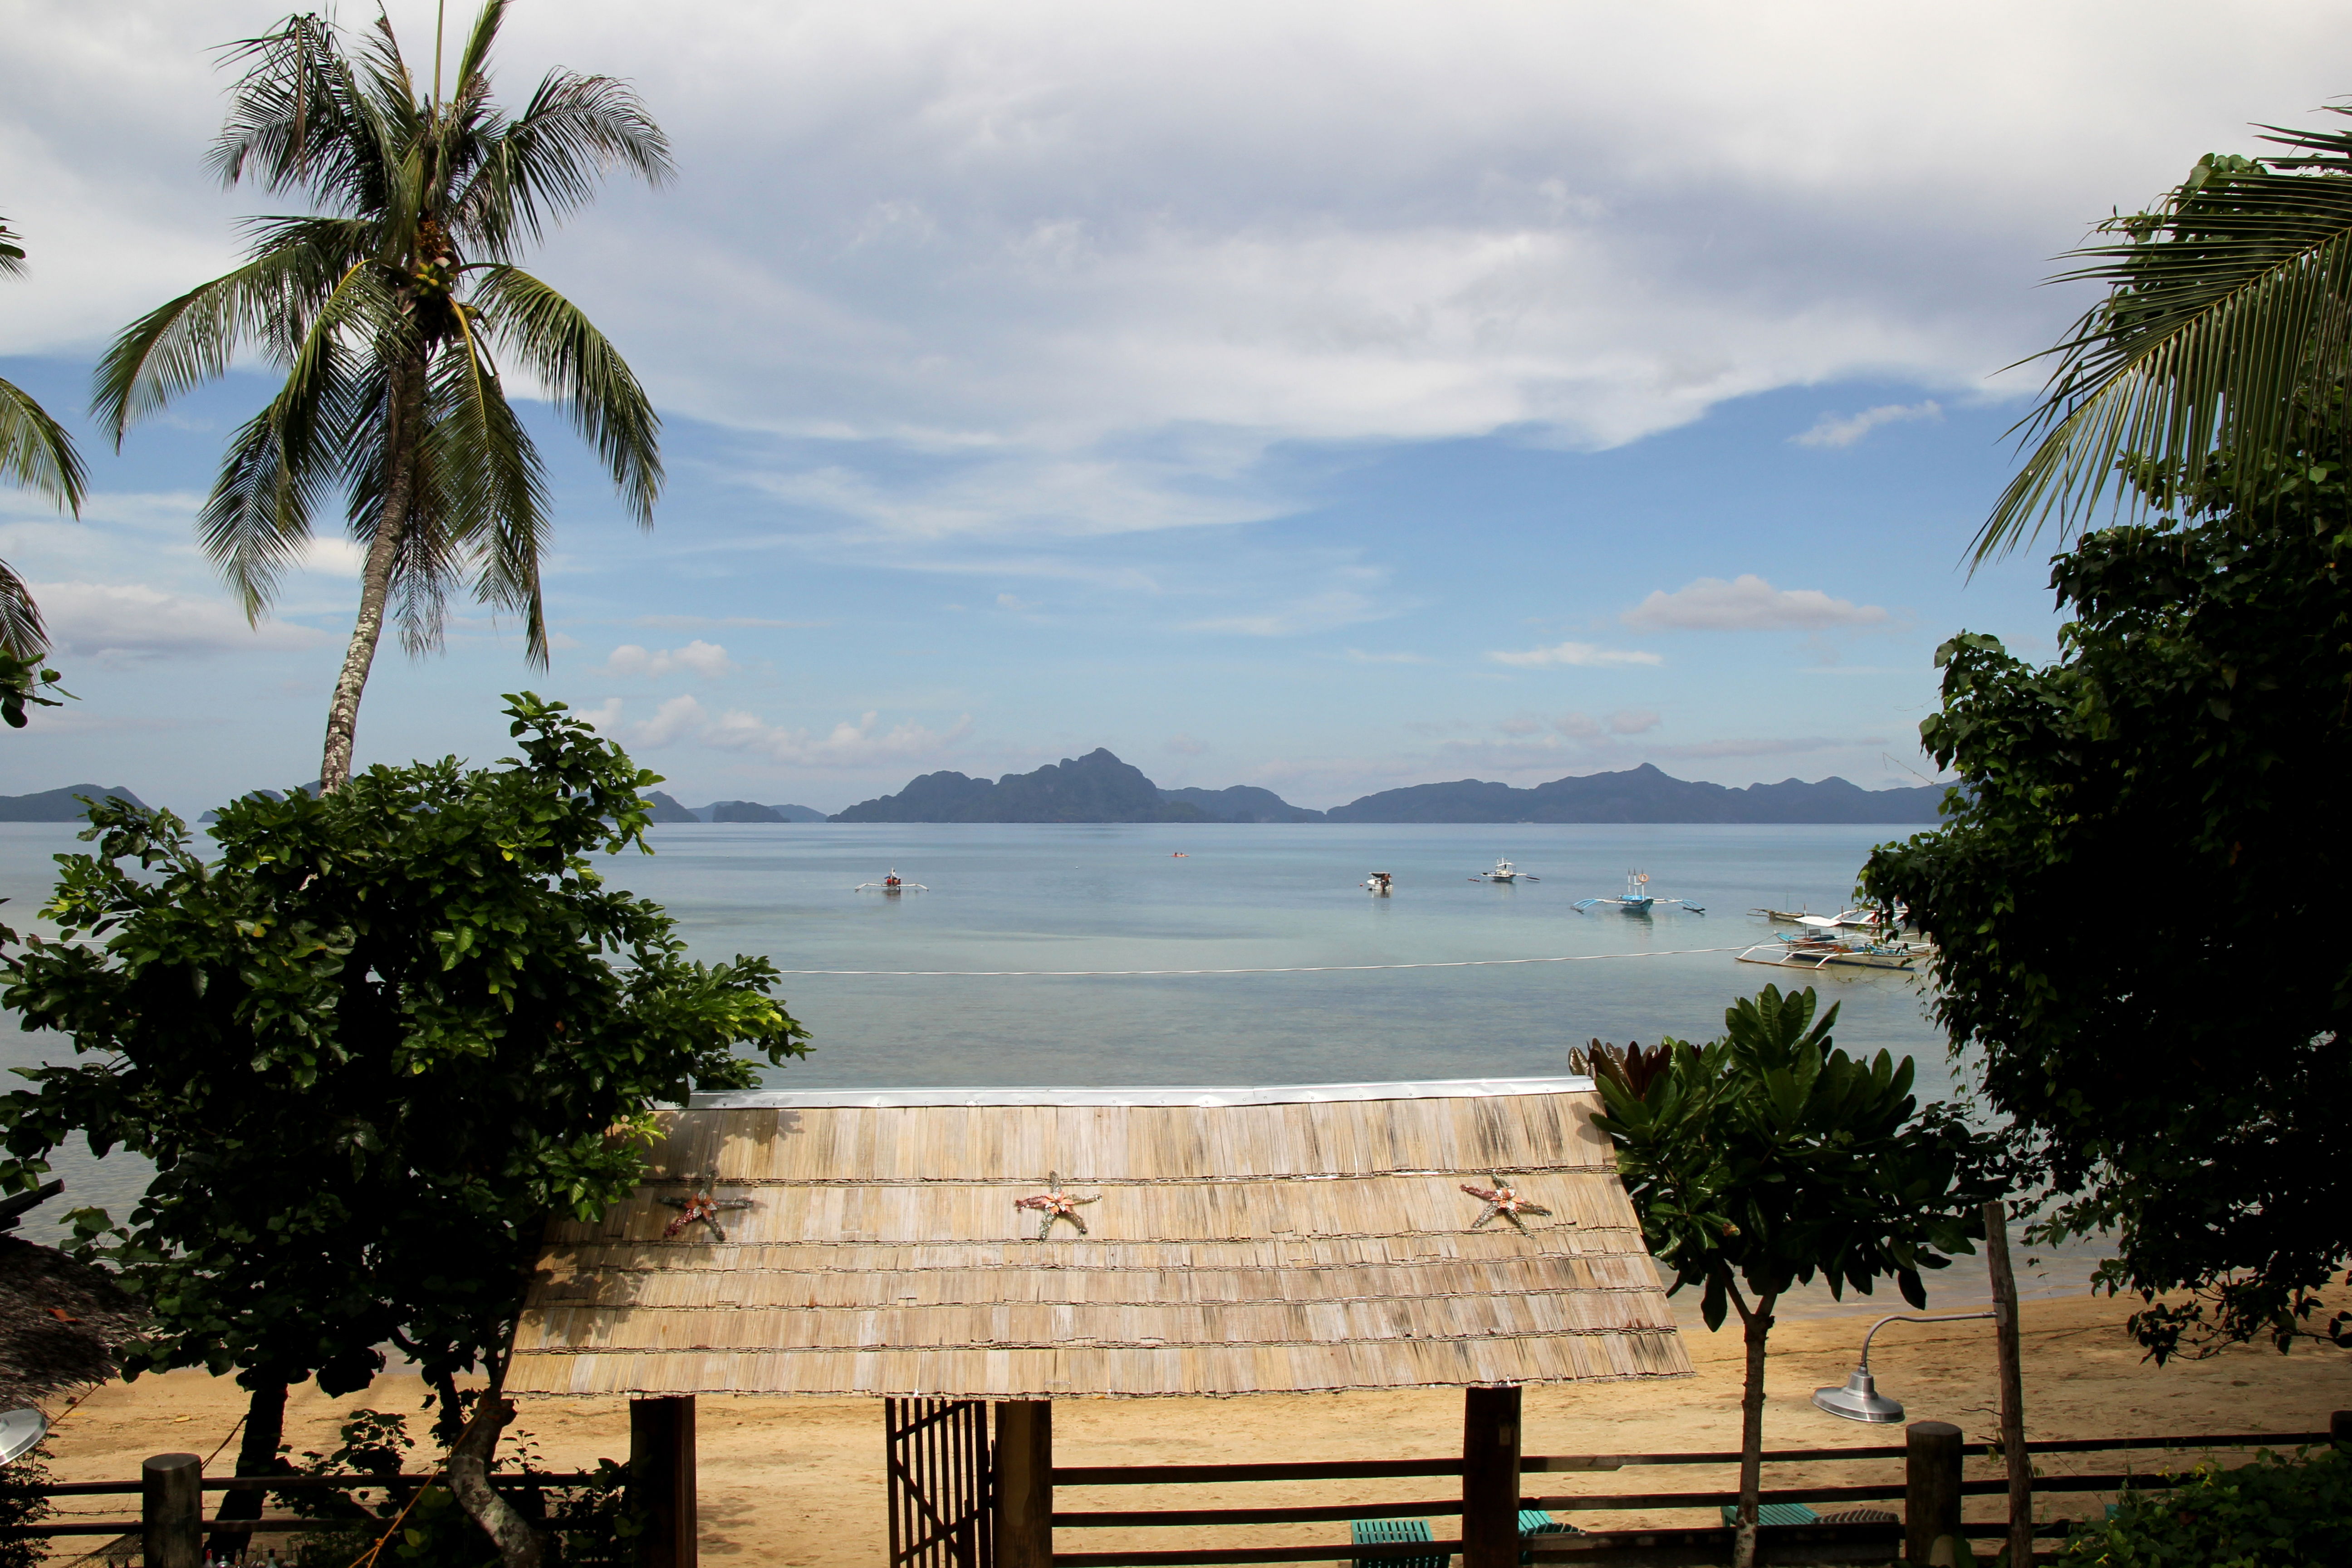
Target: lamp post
(1859, 1399)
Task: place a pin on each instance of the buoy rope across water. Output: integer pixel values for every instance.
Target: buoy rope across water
(1291, 968)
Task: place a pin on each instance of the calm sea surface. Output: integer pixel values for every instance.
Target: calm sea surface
(1095, 899)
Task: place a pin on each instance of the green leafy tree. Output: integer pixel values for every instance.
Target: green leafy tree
(2277, 1511)
(370, 1050)
(1768, 1158)
(2129, 892)
(2227, 309)
(37, 453)
(384, 308)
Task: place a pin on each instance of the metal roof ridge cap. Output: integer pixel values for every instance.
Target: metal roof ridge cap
(1136, 1095)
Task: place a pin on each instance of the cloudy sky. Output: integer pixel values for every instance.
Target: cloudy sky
(1329, 396)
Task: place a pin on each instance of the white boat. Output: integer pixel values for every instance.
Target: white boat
(1379, 884)
(893, 883)
(1505, 871)
(1815, 952)
(1638, 900)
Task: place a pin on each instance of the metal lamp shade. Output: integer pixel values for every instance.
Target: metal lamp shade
(21, 1431)
(1859, 1400)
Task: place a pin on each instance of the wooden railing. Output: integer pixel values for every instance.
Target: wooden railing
(1932, 1491)
(163, 1508)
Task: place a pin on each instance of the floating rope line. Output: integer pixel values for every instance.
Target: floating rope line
(1294, 969)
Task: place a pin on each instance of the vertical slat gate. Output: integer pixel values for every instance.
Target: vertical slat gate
(939, 1472)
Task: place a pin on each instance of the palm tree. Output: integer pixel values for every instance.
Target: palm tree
(386, 308)
(34, 452)
(2227, 326)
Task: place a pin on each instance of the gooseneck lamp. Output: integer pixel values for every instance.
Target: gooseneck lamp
(1860, 1400)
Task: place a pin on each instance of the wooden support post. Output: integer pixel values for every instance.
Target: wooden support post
(2339, 1427)
(1025, 1483)
(172, 1511)
(1931, 1486)
(2013, 1385)
(661, 1481)
(1490, 1477)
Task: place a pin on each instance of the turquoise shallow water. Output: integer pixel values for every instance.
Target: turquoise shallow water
(1066, 898)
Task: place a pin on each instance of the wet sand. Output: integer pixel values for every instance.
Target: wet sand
(798, 1483)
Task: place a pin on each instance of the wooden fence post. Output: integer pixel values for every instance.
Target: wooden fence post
(1931, 1485)
(1025, 1483)
(172, 1511)
(1490, 1477)
(2339, 1427)
(662, 1481)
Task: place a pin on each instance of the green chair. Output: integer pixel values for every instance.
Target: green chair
(1382, 1531)
(1536, 1521)
(1772, 1513)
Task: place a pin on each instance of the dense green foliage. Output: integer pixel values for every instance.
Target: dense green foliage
(2128, 895)
(1768, 1158)
(389, 310)
(21, 1504)
(370, 1050)
(585, 1526)
(2275, 1511)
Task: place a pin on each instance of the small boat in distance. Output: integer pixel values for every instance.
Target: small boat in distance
(893, 883)
(1638, 900)
(1505, 871)
(1378, 884)
(1848, 919)
(1815, 951)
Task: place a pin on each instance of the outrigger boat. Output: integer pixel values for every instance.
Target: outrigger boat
(1378, 884)
(1812, 950)
(893, 883)
(1846, 920)
(1638, 900)
(1505, 871)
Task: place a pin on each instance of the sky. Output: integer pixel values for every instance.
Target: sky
(1324, 396)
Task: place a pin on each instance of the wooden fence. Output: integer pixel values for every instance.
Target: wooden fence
(1930, 1489)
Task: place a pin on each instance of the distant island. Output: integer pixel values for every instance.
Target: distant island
(1098, 787)
(668, 809)
(59, 804)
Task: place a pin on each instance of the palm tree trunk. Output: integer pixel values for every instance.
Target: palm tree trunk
(257, 1454)
(1756, 1324)
(375, 579)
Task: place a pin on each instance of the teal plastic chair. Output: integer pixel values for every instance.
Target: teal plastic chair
(1772, 1513)
(1536, 1521)
(1386, 1532)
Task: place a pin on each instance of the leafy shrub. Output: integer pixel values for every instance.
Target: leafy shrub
(2275, 1512)
(21, 1504)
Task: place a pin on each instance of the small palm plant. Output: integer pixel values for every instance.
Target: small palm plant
(389, 308)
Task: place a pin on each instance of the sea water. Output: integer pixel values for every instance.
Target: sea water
(1016, 963)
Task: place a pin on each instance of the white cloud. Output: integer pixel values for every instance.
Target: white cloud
(1765, 746)
(1747, 603)
(1586, 654)
(1186, 745)
(1845, 429)
(1315, 613)
(1016, 606)
(1360, 657)
(847, 745)
(709, 660)
(124, 621)
(705, 623)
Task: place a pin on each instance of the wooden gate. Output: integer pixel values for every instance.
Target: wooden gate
(939, 1472)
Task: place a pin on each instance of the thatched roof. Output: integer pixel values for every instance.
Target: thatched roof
(41, 1351)
(1237, 1241)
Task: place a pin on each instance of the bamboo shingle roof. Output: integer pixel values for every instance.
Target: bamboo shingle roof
(1233, 1242)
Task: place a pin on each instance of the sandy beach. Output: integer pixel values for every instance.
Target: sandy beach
(798, 1483)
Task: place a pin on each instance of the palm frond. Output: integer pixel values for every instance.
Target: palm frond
(496, 482)
(22, 635)
(35, 451)
(12, 253)
(2224, 310)
(549, 336)
(546, 162)
(298, 118)
(192, 340)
